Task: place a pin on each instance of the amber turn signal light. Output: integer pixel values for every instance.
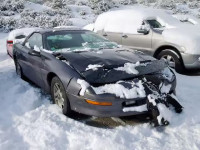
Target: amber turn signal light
(98, 103)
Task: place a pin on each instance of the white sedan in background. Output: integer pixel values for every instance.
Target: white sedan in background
(17, 36)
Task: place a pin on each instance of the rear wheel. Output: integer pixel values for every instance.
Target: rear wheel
(18, 69)
(59, 96)
(173, 59)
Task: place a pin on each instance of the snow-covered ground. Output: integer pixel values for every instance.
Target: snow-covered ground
(29, 121)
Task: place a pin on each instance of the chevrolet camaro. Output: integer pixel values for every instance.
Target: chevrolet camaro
(86, 73)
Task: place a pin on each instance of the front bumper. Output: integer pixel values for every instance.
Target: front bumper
(79, 104)
(191, 61)
(120, 106)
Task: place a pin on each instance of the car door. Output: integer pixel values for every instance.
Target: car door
(112, 36)
(32, 58)
(138, 41)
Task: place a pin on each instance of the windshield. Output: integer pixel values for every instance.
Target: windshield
(77, 41)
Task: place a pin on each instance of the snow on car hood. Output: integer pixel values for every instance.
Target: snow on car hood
(186, 36)
(112, 65)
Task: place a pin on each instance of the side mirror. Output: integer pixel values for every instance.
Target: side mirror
(35, 51)
(144, 29)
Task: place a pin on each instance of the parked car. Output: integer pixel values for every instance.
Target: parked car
(15, 36)
(88, 74)
(154, 32)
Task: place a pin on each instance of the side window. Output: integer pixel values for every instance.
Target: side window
(154, 23)
(35, 41)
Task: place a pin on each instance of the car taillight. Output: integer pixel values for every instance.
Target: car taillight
(9, 42)
(10, 47)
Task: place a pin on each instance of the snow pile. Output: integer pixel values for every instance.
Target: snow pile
(129, 68)
(84, 85)
(93, 67)
(135, 91)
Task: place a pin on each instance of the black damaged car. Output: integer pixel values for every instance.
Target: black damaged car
(88, 74)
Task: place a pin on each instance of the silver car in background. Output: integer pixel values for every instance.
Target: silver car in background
(155, 32)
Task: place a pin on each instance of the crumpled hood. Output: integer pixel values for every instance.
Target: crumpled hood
(186, 36)
(110, 60)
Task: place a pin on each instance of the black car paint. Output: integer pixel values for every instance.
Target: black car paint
(41, 67)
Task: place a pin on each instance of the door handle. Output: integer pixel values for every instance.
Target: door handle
(125, 36)
(34, 53)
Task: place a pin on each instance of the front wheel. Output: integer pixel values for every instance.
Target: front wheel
(173, 59)
(59, 96)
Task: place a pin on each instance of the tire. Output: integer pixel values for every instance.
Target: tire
(171, 56)
(57, 87)
(18, 69)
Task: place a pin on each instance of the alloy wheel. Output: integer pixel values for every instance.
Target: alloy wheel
(58, 96)
(170, 60)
